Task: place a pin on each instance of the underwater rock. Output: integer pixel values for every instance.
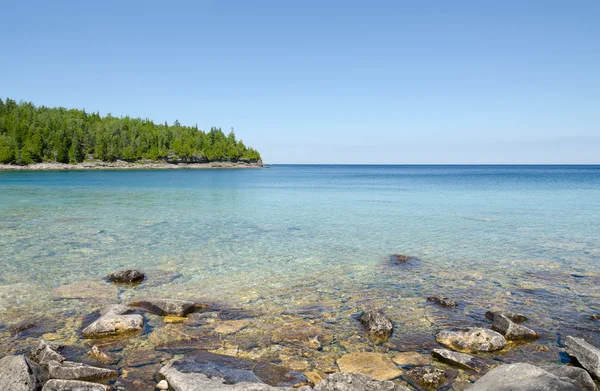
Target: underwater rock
(462, 360)
(342, 381)
(169, 307)
(87, 290)
(379, 326)
(45, 352)
(375, 365)
(442, 301)
(126, 276)
(471, 340)
(18, 373)
(430, 377)
(514, 316)
(411, 359)
(102, 356)
(399, 259)
(586, 354)
(68, 370)
(511, 330)
(73, 385)
(114, 320)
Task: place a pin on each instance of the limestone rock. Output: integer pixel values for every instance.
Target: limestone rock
(18, 373)
(586, 354)
(114, 321)
(511, 330)
(514, 316)
(68, 370)
(45, 352)
(459, 359)
(356, 382)
(580, 376)
(430, 377)
(375, 365)
(471, 340)
(126, 276)
(442, 301)
(73, 385)
(162, 385)
(411, 359)
(379, 326)
(169, 307)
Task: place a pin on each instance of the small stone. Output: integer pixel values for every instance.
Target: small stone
(231, 326)
(174, 319)
(511, 330)
(162, 385)
(379, 326)
(459, 359)
(471, 340)
(514, 316)
(126, 276)
(99, 355)
(586, 354)
(375, 365)
(442, 301)
(411, 359)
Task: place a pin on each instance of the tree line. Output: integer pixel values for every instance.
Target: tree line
(30, 134)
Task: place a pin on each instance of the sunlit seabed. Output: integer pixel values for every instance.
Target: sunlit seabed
(274, 240)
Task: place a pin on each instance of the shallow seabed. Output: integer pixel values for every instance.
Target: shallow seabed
(291, 253)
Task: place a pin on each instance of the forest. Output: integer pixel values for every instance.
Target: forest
(31, 134)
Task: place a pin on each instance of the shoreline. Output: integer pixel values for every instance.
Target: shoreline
(123, 165)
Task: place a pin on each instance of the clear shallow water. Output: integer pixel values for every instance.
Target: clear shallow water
(519, 237)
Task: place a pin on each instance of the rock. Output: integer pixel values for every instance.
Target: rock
(525, 377)
(162, 385)
(459, 359)
(471, 340)
(429, 377)
(514, 316)
(73, 385)
(587, 355)
(169, 307)
(174, 319)
(580, 376)
(279, 376)
(68, 370)
(379, 326)
(87, 290)
(126, 276)
(356, 382)
(231, 326)
(375, 365)
(511, 330)
(411, 359)
(595, 316)
(18, 373)
(442, 301)
(114, 321)
(102, 356)
(401, 258)
(45, 352)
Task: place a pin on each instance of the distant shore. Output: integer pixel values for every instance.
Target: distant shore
(123, 165)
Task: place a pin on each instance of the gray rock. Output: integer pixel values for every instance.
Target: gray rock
(580, 376)
(45, 352)
(126, 276)
(18, 373)
(523, 377)
(378, 325)
(471, 340)
(342, 381)
(587, 355)
(114, 321)
(171, 307)
(511, 330)
(73, 385)
(514, 316)
(459, 359)
(442, 301)
(68, 370)
(429, 377)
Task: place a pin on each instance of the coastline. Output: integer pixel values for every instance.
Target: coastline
(123, 165)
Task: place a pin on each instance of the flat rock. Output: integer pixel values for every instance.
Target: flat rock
(45, 352)
(379, 326)
(429, 377)
(524, 377)
(73, 385)
(356, 382)
(462, 360)
(126, 276)
(18, 373)
(471, 340)
(586, 354)
(87, 290)
(68, 370)
(443, 301)
(411, 359)
(169, 307)
(231, 326)
(114, 320)
(514, 316)
(511, 330)
(375, 365)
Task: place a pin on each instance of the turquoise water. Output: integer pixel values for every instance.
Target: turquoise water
(271, 240)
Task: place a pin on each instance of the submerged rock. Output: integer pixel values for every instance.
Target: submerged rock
(459, 359)
(375, 365)
(169, 307)
(514, 316)
(471, 340)
(73, 385)
(442, 301)
(18, 373)
(114, 320)
(527, 377)
(126, 276)
(379, 326)
(586, 354)
(68, 370)
(87, 290)
(411, 359)
(356, 382)
(511, 330)
(430, 377)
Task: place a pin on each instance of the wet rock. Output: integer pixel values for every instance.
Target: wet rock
(126, 276)
(459, 359)
(471, 340)
(45, 352)
(87, 290)
(73, 385)
(18, 373)
(68, 370)
(442, 301)
(399, 259)
(375, 365)
(514, 316)
(411, 359)
(586, 354)
(580, 376)
(356, 382)
(511, 330)
(208, 342)
(524, 377)
(162, 385)
(114, 320)
(231, 326)
(139, 357)
(379, 326)
(102, 356)
(171, 307)
(276, 375)
(430, 377)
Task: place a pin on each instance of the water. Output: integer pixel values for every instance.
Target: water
(272, 240)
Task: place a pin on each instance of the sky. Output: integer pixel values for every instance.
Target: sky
(324, 81)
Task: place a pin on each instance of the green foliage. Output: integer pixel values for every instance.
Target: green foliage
(31, 134)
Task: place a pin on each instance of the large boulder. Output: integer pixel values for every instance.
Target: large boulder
(526, 377)
(114, 320)
(586, 354)
(126, 276)
(471, 340)
(18, 373)
(68, 370)
(379, 326)
(169, 307)
(511, 330)
(462, 360)
(73, 385)
(342, 381)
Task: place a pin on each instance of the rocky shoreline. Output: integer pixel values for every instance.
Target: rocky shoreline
(123, 165)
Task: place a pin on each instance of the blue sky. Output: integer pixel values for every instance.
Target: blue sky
(327, 81)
